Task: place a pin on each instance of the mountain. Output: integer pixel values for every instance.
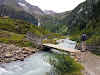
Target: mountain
(76, 18)
(30, 8)
(20, 9)
(80, 16)
(53, 21)
(85, 18)
(22, 5)
(49, 12)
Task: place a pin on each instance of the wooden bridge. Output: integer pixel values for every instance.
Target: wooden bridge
(38, 40)
(71, 50)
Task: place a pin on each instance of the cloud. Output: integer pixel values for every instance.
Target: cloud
(56, 5)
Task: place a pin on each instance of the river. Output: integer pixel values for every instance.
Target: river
(36, 64)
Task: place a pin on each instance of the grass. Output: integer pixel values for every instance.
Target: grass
(14, 31)
(65, 65)
(75, 37)
(53, 38)
(96, 52)
(13, 38)
(94, 39)
(52, 41)
(22, 27)
(13, 25)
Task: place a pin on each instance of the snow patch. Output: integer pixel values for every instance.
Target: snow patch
(80, 10)
(21, 4)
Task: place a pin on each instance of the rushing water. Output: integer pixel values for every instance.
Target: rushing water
(34, 65)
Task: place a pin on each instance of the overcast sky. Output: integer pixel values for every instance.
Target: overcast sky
(56, 5)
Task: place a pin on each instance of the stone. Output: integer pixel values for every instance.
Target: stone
(17, 51)
(24, 52)
(8, 55)
(28, 49)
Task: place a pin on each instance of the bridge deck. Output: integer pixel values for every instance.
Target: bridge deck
(62, 48)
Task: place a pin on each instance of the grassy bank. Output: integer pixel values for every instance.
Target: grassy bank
(65, 65)
(14, 38)
(13, 31)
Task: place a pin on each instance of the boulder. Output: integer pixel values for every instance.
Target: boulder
(28, 49)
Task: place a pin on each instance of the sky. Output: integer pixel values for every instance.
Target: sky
(56, 5)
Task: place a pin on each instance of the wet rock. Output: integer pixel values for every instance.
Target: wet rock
(22, 59)
(7, 60)
(13, 59)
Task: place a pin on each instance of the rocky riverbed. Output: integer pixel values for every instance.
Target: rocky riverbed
(11, 52)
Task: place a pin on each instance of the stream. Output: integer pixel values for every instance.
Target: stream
(36, 64)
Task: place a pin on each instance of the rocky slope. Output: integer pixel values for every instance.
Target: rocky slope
(53, 21)
(76, 19)
(80, 16)
(22, 5)
(91, 26)
(20, 9)
(10, 53)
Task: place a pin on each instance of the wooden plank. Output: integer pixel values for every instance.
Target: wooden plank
(62, 48)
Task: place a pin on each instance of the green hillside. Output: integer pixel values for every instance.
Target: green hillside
(14, 31)
(19, 26)
(54, 23)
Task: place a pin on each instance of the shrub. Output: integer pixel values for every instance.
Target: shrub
(65, 65)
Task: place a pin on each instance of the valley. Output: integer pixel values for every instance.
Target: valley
(24, 28)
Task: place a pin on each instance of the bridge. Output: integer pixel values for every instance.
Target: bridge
(70, 50)
(38, 41)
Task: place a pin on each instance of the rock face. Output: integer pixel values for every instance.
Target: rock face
(81, 14)
(77, 16)
(22, 5)
(10, 53)
(20, 9)
(30, 8)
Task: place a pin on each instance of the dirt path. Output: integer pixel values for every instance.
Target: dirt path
(91, 63)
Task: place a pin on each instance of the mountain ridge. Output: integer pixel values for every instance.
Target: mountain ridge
(23, 5)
